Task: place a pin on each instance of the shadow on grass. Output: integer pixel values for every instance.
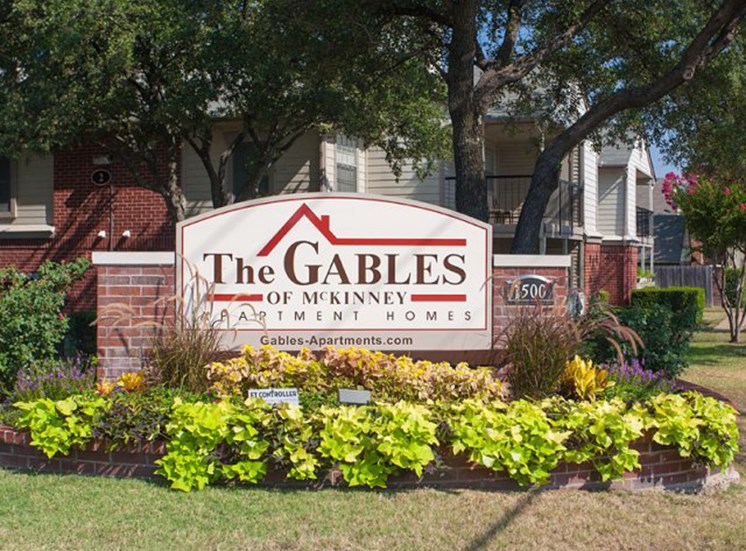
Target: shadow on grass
(483, 541)
(715, 353)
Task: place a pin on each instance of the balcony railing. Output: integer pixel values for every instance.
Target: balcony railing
(644, 217)
(506, 195)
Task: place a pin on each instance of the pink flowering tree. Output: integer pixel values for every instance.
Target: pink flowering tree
(715, 214)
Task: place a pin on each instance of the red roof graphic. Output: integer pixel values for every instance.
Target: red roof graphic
(322, 224)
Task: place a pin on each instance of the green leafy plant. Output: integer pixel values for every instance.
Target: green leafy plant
(699, 427)
(32, 325)
(58, 426)
(371, 443)
(518, 438)
(600, 432)
(233, 440)
(213, 441)
(134, 418)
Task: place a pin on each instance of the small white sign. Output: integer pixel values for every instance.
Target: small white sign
(350, 396)
(276, 395)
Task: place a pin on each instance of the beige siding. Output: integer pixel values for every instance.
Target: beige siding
(516, 158)
(381, 180)
(297, 170)
(34, 182)
(590, 189)
(194, 178)
(611, 202)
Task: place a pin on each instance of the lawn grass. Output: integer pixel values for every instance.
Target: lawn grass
(39, 511)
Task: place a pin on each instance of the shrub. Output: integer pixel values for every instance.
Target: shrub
(81, 334)
(664, 347)
(388, 377)
(686, 303)
(32, 325)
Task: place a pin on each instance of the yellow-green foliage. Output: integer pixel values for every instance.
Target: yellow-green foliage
(58, 426)
(388, 377)
(518, 438)
(582, 380)
(236, 440)
(600, 432)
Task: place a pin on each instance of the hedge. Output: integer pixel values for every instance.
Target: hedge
(686, 303)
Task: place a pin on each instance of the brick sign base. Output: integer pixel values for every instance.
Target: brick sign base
(661, 467)
(134, 290)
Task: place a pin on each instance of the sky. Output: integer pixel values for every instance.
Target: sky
(660, 166)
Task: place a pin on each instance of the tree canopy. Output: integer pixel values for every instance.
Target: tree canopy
(146, 78)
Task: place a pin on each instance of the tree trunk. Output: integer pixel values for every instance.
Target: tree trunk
(471, 188)
(543, 183)
(173, 194)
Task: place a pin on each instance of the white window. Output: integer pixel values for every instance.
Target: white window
(346, 168)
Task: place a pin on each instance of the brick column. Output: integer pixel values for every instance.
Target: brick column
(619, 273)
(132, 307)
(592, 268)
(509, 267)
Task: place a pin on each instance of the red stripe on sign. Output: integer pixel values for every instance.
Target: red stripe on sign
(236, 298)
(438, 298)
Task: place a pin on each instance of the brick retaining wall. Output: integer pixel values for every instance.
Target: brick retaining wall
(661, 467)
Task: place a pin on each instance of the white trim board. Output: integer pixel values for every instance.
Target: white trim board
(530, 261)
(133, 258)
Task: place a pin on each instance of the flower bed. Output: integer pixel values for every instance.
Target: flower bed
(431, 424)
(669, 439)
(660, 467)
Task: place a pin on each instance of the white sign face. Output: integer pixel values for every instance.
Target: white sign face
(311, 270)
(276, 395)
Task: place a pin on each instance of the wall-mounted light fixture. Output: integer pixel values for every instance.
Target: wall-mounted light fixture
(101, 234)
(126, 234)
(102, 160)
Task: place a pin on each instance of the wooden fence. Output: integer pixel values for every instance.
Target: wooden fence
(687, 276)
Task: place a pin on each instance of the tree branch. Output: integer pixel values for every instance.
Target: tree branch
(716, 35)
(497, 75)
(513, 24)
